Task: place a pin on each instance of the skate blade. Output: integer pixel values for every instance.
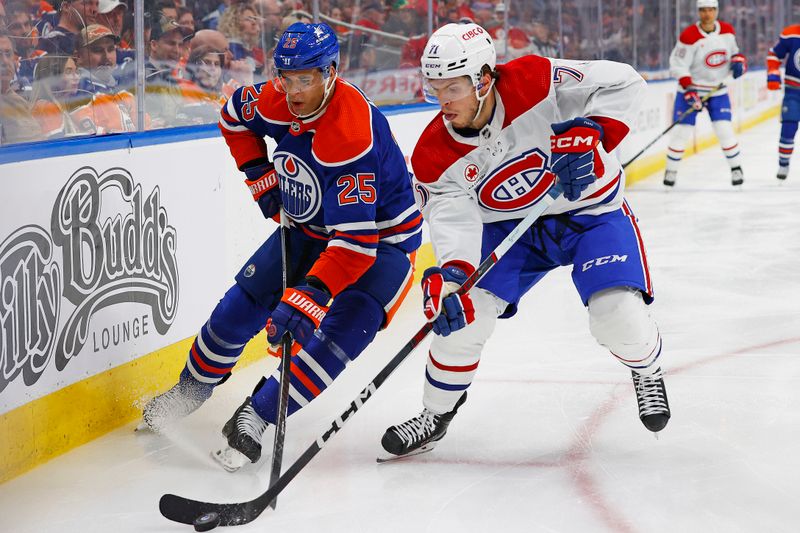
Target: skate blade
(388, 458)
(229, 459)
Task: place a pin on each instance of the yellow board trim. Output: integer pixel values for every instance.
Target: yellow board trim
(54, 424)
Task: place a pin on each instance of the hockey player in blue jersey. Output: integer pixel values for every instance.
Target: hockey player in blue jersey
(787, 48)
(342, 181)
(505, 133)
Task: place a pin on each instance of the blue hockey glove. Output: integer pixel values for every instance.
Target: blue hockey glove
(575, 161)
(262, 180)
(300, 311)
(693, 99)
(738, 65)
(449, 312)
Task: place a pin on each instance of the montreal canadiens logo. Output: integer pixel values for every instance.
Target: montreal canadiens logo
(471, 173)
(716, 59)
(300, 189)
(517, 184)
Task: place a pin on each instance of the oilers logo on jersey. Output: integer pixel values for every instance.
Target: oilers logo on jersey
(517, 184)
(300, 188)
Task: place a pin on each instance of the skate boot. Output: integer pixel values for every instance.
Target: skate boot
(420, 434)
(737, 176)
(179, 401)
(783, 172)
(669, 178)
(244, 432)
(651, 395)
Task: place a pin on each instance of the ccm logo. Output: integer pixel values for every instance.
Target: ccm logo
(600, 261)
(471, 33)
(575, 141)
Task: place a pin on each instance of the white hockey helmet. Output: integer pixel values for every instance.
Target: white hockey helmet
(707, 3)
(458, 50)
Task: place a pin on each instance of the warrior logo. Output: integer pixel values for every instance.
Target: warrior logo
(517, 184)
(300, 189)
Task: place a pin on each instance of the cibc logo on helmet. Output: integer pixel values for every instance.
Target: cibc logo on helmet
(474, 32)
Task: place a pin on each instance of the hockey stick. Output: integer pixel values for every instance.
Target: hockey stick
(680, 118)
(186, 511)
(286, 360)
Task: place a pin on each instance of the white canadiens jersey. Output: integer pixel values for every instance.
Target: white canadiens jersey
(501, 173)
(703, 60)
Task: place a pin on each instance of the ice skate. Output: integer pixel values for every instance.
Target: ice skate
(651, 395)
(783, 172)
(244, 431)
(669, 178)
(737, 176)
(418, 435)
(181, 400)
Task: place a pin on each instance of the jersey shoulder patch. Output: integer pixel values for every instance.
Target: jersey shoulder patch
(436, 151)
(523, 83)
(691, 35)
(725, 27)
(344, 133)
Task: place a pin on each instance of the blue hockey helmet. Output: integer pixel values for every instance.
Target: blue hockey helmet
(303, 46)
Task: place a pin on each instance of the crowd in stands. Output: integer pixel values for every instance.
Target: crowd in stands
(70, 67)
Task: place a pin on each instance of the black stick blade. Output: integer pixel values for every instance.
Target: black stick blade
(185, 511)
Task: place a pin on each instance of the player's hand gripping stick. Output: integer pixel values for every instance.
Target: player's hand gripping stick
(576, 162)
(262, 180)
(300, 311)
(447, 311)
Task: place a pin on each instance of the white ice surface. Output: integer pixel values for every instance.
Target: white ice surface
(549, 440)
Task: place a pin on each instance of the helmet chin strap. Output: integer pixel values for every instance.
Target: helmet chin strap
(329, 83)
(481, 99)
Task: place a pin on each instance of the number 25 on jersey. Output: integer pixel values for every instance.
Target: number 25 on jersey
(354, 189)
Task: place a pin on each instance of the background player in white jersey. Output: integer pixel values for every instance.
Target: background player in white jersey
(701, 60)
(480, 166)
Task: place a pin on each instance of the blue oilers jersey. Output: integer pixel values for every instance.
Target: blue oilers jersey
(343, 179)
(788, 49)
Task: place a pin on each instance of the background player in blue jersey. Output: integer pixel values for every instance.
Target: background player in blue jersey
(504, 135)
(343, 183)
(788, 48)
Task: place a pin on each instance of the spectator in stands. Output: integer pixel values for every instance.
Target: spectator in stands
(16, 123)
(73, 16)
(20, 29)
(269, 13)
(373, 16)
(105, 107)
(241, 26)
(541, 43)
(204, 92)
(186, 18)
(163, 94)
(404, 21)
(111, 14)
(55, 87)
(211, 21)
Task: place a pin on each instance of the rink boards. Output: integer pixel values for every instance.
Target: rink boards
(114, 250)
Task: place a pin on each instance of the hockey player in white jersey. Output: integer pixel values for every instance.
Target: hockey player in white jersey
(504, 135)
(705, 54)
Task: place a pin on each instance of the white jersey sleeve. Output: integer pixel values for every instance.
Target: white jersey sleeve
(456, 235)
(600, 89)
